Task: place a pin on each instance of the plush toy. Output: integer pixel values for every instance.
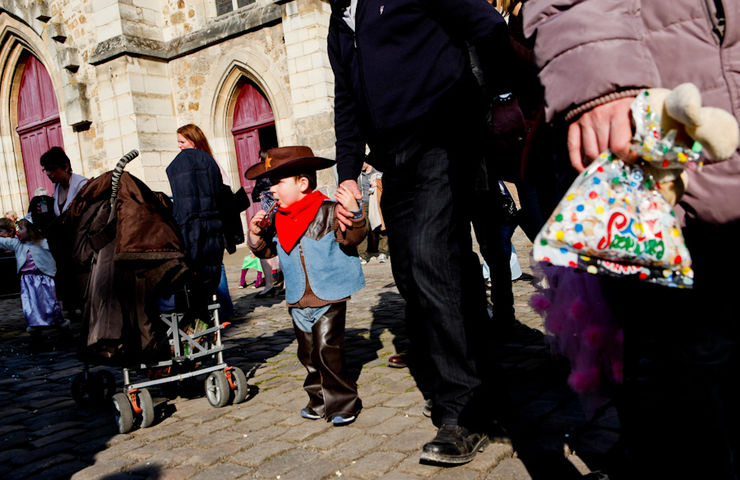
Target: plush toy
(680, 110)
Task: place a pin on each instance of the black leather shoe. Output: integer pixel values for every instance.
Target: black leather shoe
(454, 445)
(427, 410)
(396, 361)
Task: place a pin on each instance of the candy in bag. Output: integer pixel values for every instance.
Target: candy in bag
(613, 221)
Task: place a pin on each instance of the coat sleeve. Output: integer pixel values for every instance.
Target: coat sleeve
(483, 28)
(586, 49)
(350, 145)
(263, 248)
(351, 236)
(8, 243)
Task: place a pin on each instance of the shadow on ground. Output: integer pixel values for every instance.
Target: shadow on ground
(41, 424)
(45, 434)
(540, 415)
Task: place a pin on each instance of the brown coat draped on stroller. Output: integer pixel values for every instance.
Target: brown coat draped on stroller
(128, 238)
(135, 257)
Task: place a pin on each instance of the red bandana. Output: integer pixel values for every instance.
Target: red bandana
(293, 221)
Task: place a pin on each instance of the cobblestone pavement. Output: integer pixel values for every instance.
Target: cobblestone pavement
(44, 434)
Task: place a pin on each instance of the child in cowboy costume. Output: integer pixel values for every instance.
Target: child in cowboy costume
(321, 269)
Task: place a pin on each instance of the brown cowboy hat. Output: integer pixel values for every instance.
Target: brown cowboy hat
(286, 161)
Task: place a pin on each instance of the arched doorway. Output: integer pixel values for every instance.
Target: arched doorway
(39, 127)
(254, 129)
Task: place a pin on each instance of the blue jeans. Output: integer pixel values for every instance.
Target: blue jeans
(306, 317)
(223, 296)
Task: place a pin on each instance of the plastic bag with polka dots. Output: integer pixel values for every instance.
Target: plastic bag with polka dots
(613, 221)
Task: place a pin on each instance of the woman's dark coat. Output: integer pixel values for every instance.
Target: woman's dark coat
(196, 188)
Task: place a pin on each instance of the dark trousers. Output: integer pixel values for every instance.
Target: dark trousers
(494, 241)
(679, 402)
(425, 204)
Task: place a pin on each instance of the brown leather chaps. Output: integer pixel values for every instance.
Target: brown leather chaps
(330, 391)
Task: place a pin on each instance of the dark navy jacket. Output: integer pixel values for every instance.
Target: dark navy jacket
(402, 58)
(196, 185)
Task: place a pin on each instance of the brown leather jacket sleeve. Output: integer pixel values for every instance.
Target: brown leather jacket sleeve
(351, 236)
(262, 248)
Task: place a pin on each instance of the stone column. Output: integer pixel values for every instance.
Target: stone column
(135, 95)
(305, 26)
(137, 112)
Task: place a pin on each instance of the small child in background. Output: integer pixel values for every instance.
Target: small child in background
(250, 261)
(321, 269)
(7, 230)
(37, 268)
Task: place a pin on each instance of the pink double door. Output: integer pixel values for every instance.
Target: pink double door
(39, 127)
(254, 129)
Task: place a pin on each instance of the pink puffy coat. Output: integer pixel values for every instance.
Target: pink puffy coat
(590, 48)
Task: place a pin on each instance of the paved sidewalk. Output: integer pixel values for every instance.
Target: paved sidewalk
(44, 435)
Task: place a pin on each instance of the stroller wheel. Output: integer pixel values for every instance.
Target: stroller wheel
(240, 382)
(124, 413)
(147, 408)
(217, 389)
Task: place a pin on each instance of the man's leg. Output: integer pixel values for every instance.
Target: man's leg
(438, 274)
(488, 230)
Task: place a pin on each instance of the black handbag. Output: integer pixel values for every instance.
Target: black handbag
(505, 205)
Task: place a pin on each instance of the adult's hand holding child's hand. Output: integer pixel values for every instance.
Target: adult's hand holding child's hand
(343, 214)
(346, 199)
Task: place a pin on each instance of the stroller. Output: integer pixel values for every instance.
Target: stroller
(125, 233)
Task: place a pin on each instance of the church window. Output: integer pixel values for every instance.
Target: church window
(226, 6)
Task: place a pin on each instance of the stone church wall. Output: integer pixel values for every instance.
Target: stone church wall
(128, 73)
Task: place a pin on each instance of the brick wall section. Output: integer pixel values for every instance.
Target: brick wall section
(181, 17)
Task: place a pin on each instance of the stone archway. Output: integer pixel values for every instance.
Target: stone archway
(18, 42)
(227, 85)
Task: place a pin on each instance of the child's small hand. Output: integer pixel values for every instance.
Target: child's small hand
(347, 199)
(255, 221)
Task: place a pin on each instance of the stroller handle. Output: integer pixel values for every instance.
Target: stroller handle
(118, 171)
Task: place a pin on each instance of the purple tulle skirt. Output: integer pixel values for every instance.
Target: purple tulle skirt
(580, 326)
(39, 299)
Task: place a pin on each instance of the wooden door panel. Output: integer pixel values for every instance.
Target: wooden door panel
(54, 135)
(30, 109)
(49, 107)
(247, 154)
(252, 109)
(33, 145)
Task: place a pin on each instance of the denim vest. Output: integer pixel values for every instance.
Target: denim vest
(332, 273)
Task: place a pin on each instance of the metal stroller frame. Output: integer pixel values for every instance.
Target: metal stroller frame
(136, 401)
